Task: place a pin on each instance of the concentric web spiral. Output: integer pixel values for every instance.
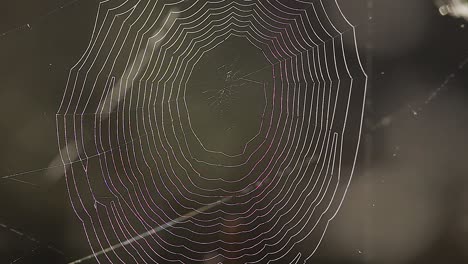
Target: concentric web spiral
(212, 131)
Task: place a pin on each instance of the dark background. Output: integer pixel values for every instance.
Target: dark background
(408, 202)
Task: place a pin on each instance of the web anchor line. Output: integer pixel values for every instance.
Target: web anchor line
(153, 231)
(416, 111)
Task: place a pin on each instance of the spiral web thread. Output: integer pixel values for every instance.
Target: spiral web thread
(135, 158)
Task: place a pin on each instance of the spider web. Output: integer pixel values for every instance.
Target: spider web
(150, 170)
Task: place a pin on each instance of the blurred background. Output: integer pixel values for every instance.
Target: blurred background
(408, 201)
